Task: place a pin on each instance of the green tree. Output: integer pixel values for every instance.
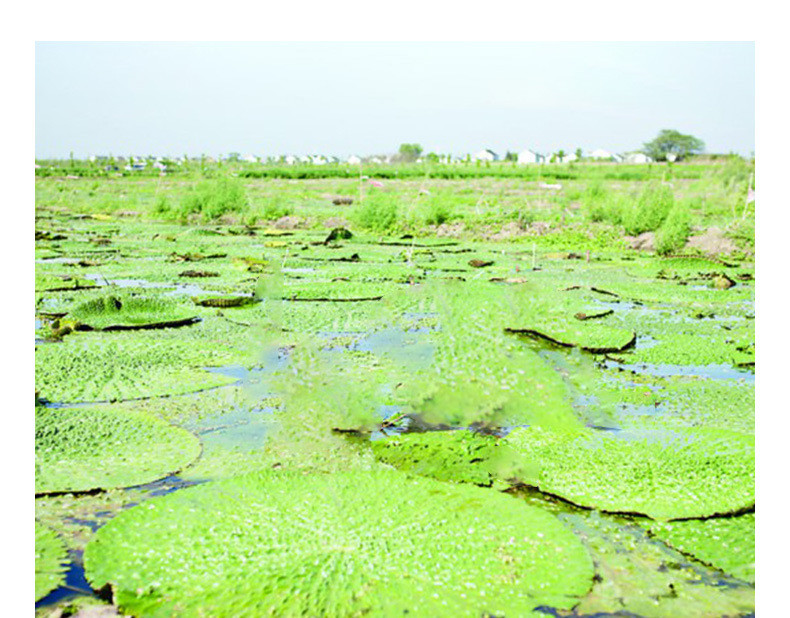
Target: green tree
(511, 156)
(409, 152)
(579, 153)
(671, 141)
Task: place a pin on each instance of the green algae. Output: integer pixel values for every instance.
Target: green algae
(345, 544)
(51, 559)
(88, 448)
(725, 543)
(662, 474)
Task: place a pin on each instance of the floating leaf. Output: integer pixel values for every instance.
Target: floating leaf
(664, 475)
(100, 447)
(377, 543)
(51, 560)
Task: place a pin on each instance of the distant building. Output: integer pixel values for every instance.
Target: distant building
(290, 160)
(353, 160)
(250, 158)
(636, 157)
(601, 155)
(530, 156)
(568, 158)
(485, 155)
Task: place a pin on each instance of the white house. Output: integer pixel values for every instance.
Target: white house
(600, 154)
(290, 160)
(305, 159)
(485, 155)
(353, 160)
(568, 158)
(250, 158)
(530, 156)
(636, 157)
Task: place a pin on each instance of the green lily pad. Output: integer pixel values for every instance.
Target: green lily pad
(79, 449)
(665, 475)
(456, 456)
(126, 366)
(377, 543)
(58, 283)
(587, 335)
(725, 543)
(118, 313)
(51, 560)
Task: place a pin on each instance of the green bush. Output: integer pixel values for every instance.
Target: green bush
(275, 208)
(378, 214)
(212, 199)
(674, 232)
(438, 213)
(650, 209)
(161, 206)
(601, 206)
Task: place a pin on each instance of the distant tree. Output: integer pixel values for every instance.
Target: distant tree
(432, 157)
(560, 155)
(409, 152)
(669, 141)
(578, 153)
(234, 156)
(511, 156)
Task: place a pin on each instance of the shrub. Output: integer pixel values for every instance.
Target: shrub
(601, 206)
(161, 206)
(275, 208)
(212, 199)
(674, 232)
(438, 213)
(650, 210)
(378, 214)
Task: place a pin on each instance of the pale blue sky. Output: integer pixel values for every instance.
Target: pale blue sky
(367, 98)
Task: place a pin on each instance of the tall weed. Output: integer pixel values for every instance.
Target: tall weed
(212, 199)
(675, 230)
(650, 209)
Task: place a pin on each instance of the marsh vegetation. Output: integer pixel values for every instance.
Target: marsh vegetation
(451, 392)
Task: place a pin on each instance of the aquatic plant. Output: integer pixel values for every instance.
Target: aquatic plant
(726, 543)
(119, 312)
(455, 456)
(381, 543)
(662, 474)
(640, 576)
(99, 447)
(51, 560)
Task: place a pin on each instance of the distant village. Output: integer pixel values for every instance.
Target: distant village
(524, 157)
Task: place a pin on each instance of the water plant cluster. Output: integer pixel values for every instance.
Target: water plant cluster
(237, 418)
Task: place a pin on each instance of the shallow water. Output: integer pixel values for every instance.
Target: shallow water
(713, 372)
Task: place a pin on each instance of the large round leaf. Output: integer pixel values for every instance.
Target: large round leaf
(662, 474)
(51, 559)
(78, 449)
(369, 543)
(130, 313)
(724, 542)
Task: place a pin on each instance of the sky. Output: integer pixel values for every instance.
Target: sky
(271, 99)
